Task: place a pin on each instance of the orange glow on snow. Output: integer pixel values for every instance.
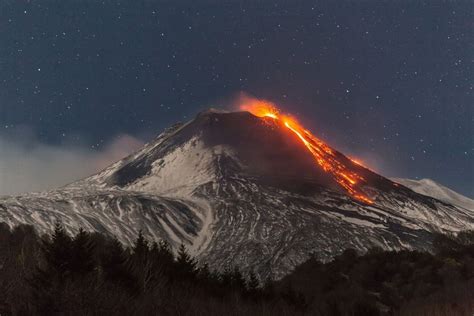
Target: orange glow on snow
(322, 153)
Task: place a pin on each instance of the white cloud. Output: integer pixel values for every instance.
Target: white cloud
(27, 165)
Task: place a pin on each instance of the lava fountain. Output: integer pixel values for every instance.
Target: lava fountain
(323, 155)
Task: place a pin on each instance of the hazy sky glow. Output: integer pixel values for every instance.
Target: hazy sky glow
(387, 82)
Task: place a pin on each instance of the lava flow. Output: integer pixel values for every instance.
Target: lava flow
(322, 153)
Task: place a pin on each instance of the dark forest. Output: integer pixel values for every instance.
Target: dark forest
(91, 274)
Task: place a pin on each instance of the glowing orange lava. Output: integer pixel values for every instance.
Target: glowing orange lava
(322, 153)
(357, 162)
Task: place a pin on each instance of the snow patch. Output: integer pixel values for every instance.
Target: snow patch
(430, 188)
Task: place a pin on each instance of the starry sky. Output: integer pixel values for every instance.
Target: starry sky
(388, 82)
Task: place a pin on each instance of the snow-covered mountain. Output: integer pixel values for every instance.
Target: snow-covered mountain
(240, 190)
(431, 188)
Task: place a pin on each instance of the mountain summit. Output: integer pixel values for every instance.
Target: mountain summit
(240, 189)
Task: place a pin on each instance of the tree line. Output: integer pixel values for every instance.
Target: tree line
(92, 274)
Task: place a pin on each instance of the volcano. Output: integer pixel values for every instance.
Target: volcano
(254, 190)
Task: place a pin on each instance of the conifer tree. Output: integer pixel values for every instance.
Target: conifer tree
(204, 273)
(140, 248)
(141, 264)
(115, 266)
(253, 283)
(48, 281)
(57, 251)
(113, 259)
(165, 252)
(237, 279)
(82, 253)
(226, 278)
(185, 264)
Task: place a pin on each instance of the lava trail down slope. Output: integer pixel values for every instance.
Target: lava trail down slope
(254, 190)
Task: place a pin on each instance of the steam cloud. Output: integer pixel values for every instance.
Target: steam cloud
(28, 165)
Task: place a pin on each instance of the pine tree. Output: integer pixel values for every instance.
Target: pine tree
(162, 257)
(185, 264)
(204, 273)
(82, 254)
(165, 252)
(253, 283)
(113, 259)
(140, 248)
(226, 278)
(57, 251)
(141, 264)
(48, 281)
(237, 279)
(115, 266)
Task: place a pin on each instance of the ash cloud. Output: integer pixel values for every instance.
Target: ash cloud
(28, 165)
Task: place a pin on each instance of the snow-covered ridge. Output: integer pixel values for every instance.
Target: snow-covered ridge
(181, 170)
(230, 187)
(431, 188)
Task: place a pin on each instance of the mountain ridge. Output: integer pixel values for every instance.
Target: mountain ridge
(438, 191)
(239, 190)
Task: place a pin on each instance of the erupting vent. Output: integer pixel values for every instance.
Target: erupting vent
(322, 153)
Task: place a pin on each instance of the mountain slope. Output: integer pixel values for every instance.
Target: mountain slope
(431, 188)
(239, 190)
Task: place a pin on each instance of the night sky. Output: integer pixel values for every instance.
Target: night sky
(390, 83)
